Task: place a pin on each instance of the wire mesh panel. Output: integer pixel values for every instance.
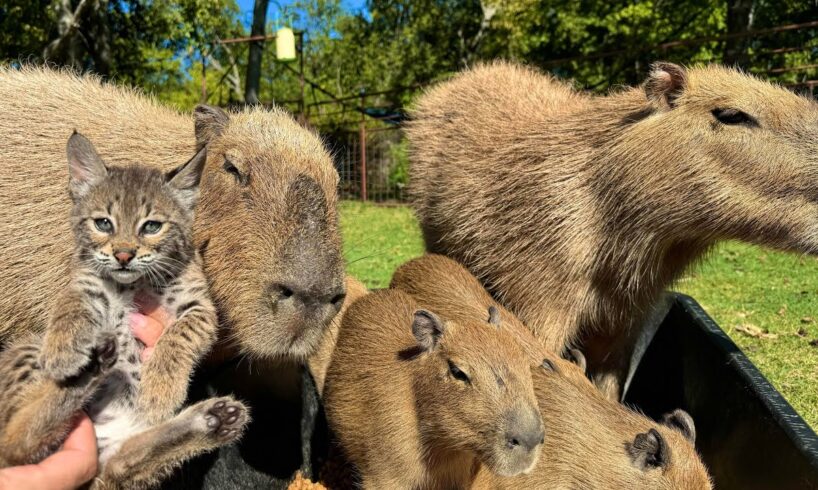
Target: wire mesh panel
(380, 155)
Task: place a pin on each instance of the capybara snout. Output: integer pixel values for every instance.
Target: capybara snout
(522, 441)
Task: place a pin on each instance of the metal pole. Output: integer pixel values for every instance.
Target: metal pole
(363, 148)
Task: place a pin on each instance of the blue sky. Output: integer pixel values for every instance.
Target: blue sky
(246, 8)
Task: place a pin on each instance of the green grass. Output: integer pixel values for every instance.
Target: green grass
(738, 285)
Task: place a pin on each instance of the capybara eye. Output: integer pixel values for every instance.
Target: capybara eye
(151, 227)
(338, 299)
(231, 169)
(733, 117)
(457, 373)
(104, 225)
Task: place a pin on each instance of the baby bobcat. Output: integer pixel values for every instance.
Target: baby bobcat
(132, 227)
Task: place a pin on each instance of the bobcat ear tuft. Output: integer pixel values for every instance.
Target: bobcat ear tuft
(85, 167)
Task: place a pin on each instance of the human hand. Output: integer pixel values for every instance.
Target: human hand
(73, 465)
(147, 325)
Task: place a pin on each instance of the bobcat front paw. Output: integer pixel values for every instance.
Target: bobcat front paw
(63, 357)
(103, 357)
(225, 419)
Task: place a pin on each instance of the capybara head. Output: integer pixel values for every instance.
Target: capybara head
(604, 444)
(474, 392)
(131, 223)
(273, 254)
(744, 149)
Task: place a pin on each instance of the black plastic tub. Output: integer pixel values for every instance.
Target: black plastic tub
(747, 434)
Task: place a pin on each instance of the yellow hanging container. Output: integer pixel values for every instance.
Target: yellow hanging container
(285, 44)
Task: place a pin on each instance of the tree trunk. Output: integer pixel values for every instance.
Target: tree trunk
(739, 19)
(253, 78)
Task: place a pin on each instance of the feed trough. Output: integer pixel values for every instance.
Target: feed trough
(747, 433)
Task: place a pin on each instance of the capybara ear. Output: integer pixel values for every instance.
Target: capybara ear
(85, 167)
(210, 121)
(186, 177)
(578, 358)
(665, 84)
(427, 329)
(681, 421)
(649, 450)
(494, 316)
(549, 365)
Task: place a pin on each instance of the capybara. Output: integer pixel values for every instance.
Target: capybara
(266, 221)
(594, 443)
(319, 362)
(577, 211)
(444, 286)
(597, 443)
(419, 402)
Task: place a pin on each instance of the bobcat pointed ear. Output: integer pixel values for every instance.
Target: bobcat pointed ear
(85, 167)
(682, 422)
(649, 450)
(665, 83)
(210, 121)
(494, 316)
(427, 329)
(186, 177)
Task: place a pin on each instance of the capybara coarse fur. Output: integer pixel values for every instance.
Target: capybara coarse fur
(418, 402)
(577, 211)
(266, 222)
(598, 443)
(319, 362)
(594, 443)
(444, 286)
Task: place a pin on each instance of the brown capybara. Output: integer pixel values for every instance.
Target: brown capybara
(319, 361)
(265, 224)
(418, 402)
(577, 211)
(594, 443)
(591, 442)
(444, 286)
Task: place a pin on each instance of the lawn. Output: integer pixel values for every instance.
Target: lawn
(767, 294)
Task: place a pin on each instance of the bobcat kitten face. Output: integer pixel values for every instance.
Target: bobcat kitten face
(131, 223)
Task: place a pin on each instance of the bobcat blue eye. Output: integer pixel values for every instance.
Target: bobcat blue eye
(104, 225)
(151, 227)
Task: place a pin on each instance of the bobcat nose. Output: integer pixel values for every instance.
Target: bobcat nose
(124, 255)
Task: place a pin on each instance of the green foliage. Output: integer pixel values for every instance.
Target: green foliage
(399, 155)
(25, 28)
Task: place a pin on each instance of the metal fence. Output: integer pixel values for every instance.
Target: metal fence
(372, 164)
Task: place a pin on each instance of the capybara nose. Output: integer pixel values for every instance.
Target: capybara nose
(311, 298)
(124, 255)
(525, 431)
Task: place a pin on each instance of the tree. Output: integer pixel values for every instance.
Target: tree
(256, 50)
